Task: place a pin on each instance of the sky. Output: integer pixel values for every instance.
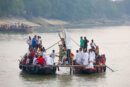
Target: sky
(117, 0)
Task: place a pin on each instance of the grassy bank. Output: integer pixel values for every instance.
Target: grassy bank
(50, 25)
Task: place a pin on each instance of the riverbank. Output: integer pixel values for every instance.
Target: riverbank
(16, 24)
(17, 20)
(40, 24)
(39, 21)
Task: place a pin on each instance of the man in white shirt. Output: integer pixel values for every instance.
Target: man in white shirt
(79, 56)
(85, 58)
(92, 44)
(92, 56)
(29, 41)
(49, 60)
(53, 55)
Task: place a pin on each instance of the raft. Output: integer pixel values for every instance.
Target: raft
(38, 69)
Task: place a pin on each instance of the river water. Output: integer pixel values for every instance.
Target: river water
(113, 41)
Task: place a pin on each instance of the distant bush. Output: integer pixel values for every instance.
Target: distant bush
(65, 9)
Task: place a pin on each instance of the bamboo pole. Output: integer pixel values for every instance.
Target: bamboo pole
(110, 68)
(53, 45)
(75, 42)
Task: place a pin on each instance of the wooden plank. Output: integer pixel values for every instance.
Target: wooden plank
(62, 65)
(77, 65)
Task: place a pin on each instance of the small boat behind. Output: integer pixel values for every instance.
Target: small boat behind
(38, 69)
(18, 28)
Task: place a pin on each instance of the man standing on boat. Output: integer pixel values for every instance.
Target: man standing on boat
(49, 60)
(85, 43)
(79, 56)
(53, 55)
(29, 42)
(34, 41)
(92, 57)
(68, 46)
(85, 59)
(92, 44)
(81, 42)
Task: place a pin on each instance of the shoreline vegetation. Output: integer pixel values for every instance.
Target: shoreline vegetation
(48, 15)
(51, 25)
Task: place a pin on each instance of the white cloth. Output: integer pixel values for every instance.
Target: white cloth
(92, 56)
(34, 61)
(93, 45)
(79, 57)
(29, 42)
(53, 55)
(44, 55)
(27, 61)
(91, 59)
(85, 59)
(49, 60)
(39, 41)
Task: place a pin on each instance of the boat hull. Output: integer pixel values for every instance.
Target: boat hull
(38, 69)
(83, 70)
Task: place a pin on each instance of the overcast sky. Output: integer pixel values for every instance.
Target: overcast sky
(117, 0)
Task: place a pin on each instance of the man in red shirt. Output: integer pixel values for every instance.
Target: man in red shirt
(41, 60)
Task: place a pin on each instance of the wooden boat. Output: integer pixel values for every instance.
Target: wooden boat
(99, 66)
(19, 30)
(38, 69)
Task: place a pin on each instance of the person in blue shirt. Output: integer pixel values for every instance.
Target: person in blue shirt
(34, 42)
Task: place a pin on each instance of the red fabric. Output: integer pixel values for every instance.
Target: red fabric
(24, 61)
(103, 59)
(32, 53)
(41, 60)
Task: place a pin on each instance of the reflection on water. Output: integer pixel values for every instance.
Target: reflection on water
(32, 77)
(113, 41)
(62, 80)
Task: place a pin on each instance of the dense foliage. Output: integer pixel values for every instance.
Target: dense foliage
(65, 9)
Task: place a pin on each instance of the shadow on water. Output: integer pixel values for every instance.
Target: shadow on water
(91, 76)
(46, 80)
(62, 80)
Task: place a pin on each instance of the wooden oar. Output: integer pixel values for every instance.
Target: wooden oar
(110, 68)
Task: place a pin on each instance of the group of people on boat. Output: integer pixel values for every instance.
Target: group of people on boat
(14, 26)
(89, 57)
(36, 54)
